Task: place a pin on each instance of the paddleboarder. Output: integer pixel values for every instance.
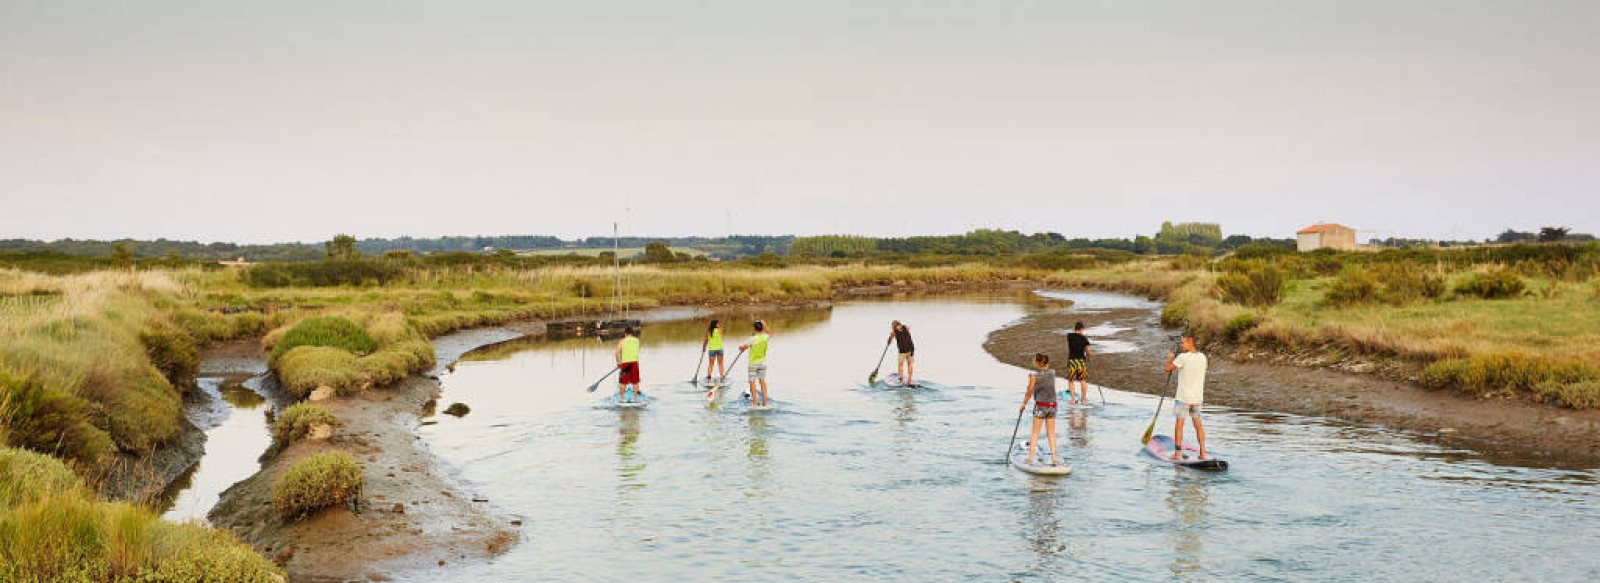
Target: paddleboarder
(1042, 391)
(757, 345)
(905, 366)
(712, 344)
(1191, 367)
(1078, 353)
(627, 356)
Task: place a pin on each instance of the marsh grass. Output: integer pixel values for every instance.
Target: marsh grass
(1528, 345)
(320, 481)
(298, 420)
(52, 529)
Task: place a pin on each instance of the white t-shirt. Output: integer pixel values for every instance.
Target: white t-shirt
(1191, 377)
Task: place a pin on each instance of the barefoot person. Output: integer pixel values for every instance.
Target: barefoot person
(712, 344)
(1191, 367)
(906, 366)
(1042, 391)
(627, 355)
(1078, 353)
(757, 345)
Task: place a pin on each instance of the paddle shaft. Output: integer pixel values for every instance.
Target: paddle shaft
(1096, 387)
(735, 363)
(694, 377)
(596, 384)
(1013, 443)
(872, 378)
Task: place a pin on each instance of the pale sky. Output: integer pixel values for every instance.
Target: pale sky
(294, 120)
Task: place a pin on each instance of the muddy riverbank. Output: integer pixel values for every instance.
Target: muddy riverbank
(1135, 344)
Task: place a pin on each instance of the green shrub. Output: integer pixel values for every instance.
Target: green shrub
(317, 482)
(1239, 325)
(327, 331)
(325, 273)
(1189, 263)
(1561, 381)
(1492, 285)
(1406, 282)
(51, 529)
(1253, 283)
(295, 422)
(303, 369)
(48, 421)
(27, 477)
(172, 351)
(1354, 285)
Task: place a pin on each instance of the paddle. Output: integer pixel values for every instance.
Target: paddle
(873, 378)
(596, 385)
(1096, 387)
(1013, 443)
(730, 367)
(694, 377)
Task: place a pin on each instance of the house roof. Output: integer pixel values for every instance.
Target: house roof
(1321, 227)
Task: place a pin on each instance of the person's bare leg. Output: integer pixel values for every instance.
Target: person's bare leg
(763, 392)
(911, 371)
(1033, 440)
(1200, 433)
(1177, 437)
(752, 391)
(722, 371)
(1050, 432)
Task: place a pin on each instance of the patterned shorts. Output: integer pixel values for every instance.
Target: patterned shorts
(1077, 370)
(1180, 408)
(1044, 410)
(758, 372)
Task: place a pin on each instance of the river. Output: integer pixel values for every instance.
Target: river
(842, 481)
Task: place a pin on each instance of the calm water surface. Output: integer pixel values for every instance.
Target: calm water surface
(849, 482)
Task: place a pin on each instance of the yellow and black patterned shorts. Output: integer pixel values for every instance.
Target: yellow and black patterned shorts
(1077, 370)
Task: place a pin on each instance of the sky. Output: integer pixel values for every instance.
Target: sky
(292, 120)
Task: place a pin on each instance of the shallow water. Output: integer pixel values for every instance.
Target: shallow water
(236, 435)
(847, 482)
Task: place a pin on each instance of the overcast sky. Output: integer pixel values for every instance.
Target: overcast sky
(293, 120)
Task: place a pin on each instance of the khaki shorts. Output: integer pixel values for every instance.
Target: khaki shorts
(907, 358)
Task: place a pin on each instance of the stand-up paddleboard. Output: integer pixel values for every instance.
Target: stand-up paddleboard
(713, 392)
(1019, 460)
(616, 402)
(750, 404)
(1160, 448)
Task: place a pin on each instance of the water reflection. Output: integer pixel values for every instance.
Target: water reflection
(758, 455)
(630, 465)
(1189, 498)
(1041, 526)
(1077, 422)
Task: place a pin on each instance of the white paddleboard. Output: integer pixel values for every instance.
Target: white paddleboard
(1019, 460)
(893, 380)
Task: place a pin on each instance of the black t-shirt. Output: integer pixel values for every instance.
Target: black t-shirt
(1077, 346)
(902, 340)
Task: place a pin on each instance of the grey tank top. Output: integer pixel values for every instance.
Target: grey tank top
(1044, 386)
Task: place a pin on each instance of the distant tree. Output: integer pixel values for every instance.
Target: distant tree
(608, 256)
(658, 252)
(1514, 236)
(342, 247)
(1553, 234)
(121, 256)
(399, 255)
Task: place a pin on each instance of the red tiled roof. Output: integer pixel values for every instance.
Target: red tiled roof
(1320, 227)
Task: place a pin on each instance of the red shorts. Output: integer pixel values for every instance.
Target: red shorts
(630, 373)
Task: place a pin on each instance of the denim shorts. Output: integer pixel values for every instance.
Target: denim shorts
(714, 353)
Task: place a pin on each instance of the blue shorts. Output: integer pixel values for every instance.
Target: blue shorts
(1179, 408)
(714, 353)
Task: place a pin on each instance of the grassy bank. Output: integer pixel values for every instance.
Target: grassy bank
(1477, 322)
(53, 529)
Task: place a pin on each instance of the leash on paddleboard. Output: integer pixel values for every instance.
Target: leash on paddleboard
(873, 378)
(596, 384)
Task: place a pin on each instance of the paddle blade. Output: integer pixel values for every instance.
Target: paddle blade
(872, 378)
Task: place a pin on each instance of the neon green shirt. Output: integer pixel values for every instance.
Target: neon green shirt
(630, 350)
(758, 349)
(715, 343)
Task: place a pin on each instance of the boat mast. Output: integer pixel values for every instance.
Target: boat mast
(616, 271)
